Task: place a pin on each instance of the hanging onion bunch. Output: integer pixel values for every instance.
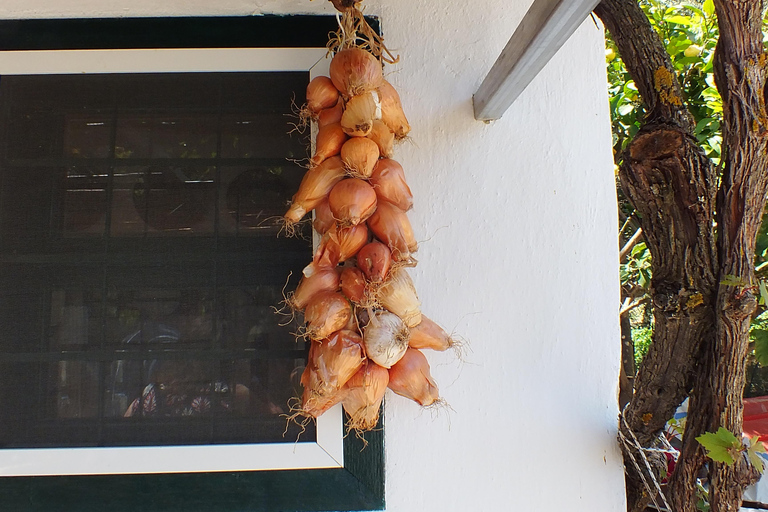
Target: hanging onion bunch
(362, 313)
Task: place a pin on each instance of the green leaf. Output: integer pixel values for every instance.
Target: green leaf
(721, 446)
(754, 447)
(763, 292)
(626, 109)
(708, 7)
(680, 20)
(761, 345)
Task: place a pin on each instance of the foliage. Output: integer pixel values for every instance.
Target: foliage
(689, 32)
(642, 337)
(724, 446)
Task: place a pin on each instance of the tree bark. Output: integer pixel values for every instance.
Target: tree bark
(702, 327)
(671, 183)
(717, 398)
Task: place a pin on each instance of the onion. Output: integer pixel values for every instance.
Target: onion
(321, 280)
(355, 71)
(360, 156)
(430, 335)
(353, 284)
(331, 363)
(352, 201)
(398, 295)
(330, 115)
(390, 224)
(385, 338)
(314, 403)
(321, 94)
(339, 244)
(365, 391)
(411, 378)
(328, 142)
(314, 188)
(388, 180)
(383, 137)
(392, 110)
(359, 114)
(374, 259)
(323, 217)
(326, 313)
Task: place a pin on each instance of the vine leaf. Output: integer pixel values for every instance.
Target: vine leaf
(721, 446)
(754, 446)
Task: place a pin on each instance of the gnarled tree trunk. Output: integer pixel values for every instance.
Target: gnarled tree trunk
(700, 233)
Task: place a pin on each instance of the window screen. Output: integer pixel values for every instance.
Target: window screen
(141, 261)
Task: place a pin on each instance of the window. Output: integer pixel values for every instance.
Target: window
(140, 267)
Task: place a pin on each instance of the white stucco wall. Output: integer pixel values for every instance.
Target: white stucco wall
(519, 256)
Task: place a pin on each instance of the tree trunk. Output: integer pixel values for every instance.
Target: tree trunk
(702, 327)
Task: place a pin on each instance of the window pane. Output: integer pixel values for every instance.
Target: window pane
(137, 305)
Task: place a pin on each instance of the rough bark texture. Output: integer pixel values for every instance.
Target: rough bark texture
(718, 392)
(701, 327)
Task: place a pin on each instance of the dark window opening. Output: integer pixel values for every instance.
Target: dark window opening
(141, 259)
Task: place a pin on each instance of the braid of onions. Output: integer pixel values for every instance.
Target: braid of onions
(362, 313)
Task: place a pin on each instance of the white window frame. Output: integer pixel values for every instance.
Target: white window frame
(328, 450)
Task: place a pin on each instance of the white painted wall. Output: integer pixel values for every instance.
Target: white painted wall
(519, 256)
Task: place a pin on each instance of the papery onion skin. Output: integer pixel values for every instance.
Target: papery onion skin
(388, 180)
(360, 155)
(360, 113)
(352, 201)
(315, 187)
(330, 138)
(385, 338)
(374, 260)
(392, 110)
(321, 94)
(353, 284)
(390, 224)
(323, 217)
(355, 71)
(322, 280)
(428, 334)
(398, 295)
(410, 377)
(365, 392)
(326, 313)
(339, 244)
(330, 115)
(331, 363)
(383, 137)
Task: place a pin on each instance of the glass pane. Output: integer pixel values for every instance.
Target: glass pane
(26, 201)
(76, 385)
(166, 136)
(76, 317)
(254, 199)
(84, 201)
(259, 136)
(88, 136)
(162, 201)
